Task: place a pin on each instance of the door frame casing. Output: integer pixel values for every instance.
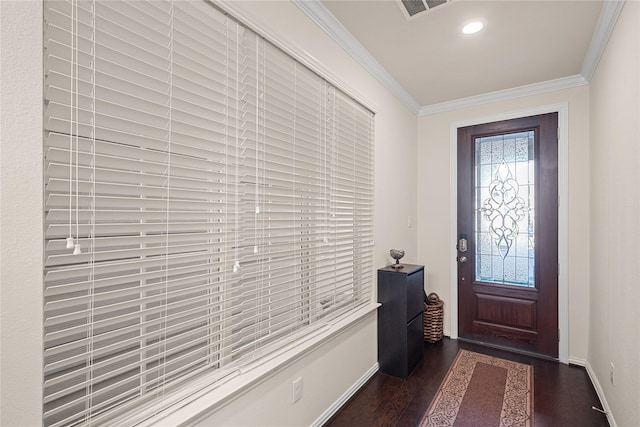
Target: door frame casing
(563, 214)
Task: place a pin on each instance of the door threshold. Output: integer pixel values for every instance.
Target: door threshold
(509, 349)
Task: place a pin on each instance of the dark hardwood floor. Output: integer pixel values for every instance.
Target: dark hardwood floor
(563, 394)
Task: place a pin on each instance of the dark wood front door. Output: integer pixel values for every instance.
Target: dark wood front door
(508, 218)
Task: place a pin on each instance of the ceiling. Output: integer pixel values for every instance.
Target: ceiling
(427, 60)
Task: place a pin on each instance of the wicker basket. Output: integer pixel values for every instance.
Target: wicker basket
(433, 317)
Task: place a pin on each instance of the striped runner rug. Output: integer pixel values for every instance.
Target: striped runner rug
(483, 391)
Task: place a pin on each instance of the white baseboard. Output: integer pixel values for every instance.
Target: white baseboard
(345, 396)
(600, 393)
(577, 362)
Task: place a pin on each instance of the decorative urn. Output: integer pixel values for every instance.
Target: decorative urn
(397, 254)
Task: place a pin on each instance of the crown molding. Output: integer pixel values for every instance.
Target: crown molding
(606, 22)
(609, 14)
(319, 14)
(502, 95)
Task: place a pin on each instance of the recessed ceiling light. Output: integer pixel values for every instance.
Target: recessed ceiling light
(472, 27)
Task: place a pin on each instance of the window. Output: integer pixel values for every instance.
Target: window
(208, 199)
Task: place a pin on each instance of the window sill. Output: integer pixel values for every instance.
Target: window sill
(206, 401)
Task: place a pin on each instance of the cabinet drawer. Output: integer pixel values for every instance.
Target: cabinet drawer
(415, 294)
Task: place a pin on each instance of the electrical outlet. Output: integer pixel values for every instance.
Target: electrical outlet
(297, 389)
(612, 373)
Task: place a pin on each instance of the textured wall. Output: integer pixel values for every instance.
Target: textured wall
(21, 212)
(615, 218)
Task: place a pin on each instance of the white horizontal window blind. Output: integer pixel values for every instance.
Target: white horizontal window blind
(208, 199)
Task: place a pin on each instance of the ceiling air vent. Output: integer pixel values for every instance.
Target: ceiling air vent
(414, 7)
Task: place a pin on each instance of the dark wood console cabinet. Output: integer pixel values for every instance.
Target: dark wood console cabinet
(400, 319)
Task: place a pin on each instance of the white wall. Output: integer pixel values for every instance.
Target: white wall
(615, 219)
(329, 369)
(269, 403)
(436, 216)
(21, 212)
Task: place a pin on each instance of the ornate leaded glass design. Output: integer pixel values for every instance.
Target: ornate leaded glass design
(504, 206)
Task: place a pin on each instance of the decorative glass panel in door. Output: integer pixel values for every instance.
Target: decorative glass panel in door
(504, 209)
